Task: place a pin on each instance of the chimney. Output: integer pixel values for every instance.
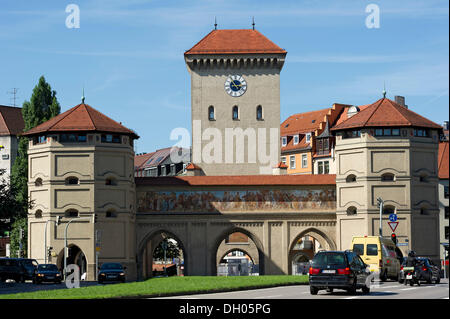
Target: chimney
(400, 100)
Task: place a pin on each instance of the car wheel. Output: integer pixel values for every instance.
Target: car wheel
(313, 290)
(383, 276)
(366, 289)
(352, 289)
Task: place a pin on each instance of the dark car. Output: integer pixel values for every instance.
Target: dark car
(426, 271)
(111, 272)
(29, 266)
(10, 268)
(47, 273)
(338, 270)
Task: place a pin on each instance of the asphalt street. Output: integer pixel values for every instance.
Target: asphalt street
(381, 290)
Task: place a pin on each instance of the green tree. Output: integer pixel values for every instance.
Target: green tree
(43, 105)
(173, 251)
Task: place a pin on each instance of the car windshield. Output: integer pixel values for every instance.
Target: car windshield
(48, 267)
(323, 259)
(111, 266)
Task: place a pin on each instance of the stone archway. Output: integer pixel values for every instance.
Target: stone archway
(147, 248)
(254, 249)
(75, 256)
(303, 248)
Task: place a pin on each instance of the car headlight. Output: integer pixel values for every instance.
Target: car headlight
(102, 274)
(122, 274)
(57, 275)
(40, 275)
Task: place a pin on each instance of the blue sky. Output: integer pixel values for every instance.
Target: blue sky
(129, 55)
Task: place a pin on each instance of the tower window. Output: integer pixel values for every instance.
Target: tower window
(71, 213)
(38, 182)
(352, 210)
(72, 181)
(235, 113)
(259, 113)
(211, 115)
(38, 214)
(388, 177)
(350, 178)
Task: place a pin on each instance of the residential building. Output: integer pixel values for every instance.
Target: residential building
(443, 163)
(170, 161)
(11, 125)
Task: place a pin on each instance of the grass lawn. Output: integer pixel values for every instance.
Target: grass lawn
(163, 287)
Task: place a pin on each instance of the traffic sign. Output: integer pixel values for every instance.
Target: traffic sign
(393, 225)
(393, 217)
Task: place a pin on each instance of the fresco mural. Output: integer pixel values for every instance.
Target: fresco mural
(230, 201)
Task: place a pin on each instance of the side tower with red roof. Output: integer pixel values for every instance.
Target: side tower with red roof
(81, 173)
(388, 151)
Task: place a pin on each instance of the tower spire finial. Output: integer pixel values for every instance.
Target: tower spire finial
(384, 89)
(82, 97)
(253, 22)
(215, 23)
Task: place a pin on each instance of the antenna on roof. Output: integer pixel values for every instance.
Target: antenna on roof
(384, 90)
(82, 97)
(13, 93)
(253, 22)
(215, 23)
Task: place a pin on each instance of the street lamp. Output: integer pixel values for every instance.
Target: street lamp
(380, 204)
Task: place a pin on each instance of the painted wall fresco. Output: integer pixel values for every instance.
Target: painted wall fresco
(230, 201)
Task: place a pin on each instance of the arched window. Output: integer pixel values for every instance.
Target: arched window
(71, 213)
(352, 210)
(350, 178)
(423, 211)
(259, 113)
(111, 214)
(72, 180)
(38, 182)
(235, 113)
(211, 115)
(387, 177)
(38, 214)
(110, 181)
(423, 178)
(388, 209)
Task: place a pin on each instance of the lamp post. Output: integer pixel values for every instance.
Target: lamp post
(380, 204)
(65, 241)
(164, 247)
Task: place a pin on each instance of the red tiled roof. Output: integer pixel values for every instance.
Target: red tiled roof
(238, 180)
(81, 118)
(192, 167)
(344, 115)
(242, 41)
(303, 122)
(11, 120)
(385, 112)
(139, 160)
(443, 160)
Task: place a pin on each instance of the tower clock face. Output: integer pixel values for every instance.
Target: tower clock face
(235, 85)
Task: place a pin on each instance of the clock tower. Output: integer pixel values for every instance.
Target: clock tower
(235, 102)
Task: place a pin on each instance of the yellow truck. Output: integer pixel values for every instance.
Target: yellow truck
(381, 254)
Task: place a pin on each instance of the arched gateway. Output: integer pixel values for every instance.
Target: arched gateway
(202, 214)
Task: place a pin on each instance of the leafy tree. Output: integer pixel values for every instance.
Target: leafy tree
(172, 251)
(42, 106)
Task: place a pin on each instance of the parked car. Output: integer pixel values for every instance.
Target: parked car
(47, 273)
(10, 268)
(29, 265)
(380, 254)
(427, 271)
(338, 270)
(111, 272)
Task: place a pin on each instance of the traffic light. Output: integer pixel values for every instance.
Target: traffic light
(95, 218)
(394, 238)
(49, 251)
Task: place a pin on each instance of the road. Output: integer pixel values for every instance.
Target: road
(383, 290)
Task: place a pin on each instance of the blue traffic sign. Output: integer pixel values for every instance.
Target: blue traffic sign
(393, 217)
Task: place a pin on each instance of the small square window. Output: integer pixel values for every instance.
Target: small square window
(284, 141)
(292, 161)
(295, 139)
(308, 137)
(379, 132)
